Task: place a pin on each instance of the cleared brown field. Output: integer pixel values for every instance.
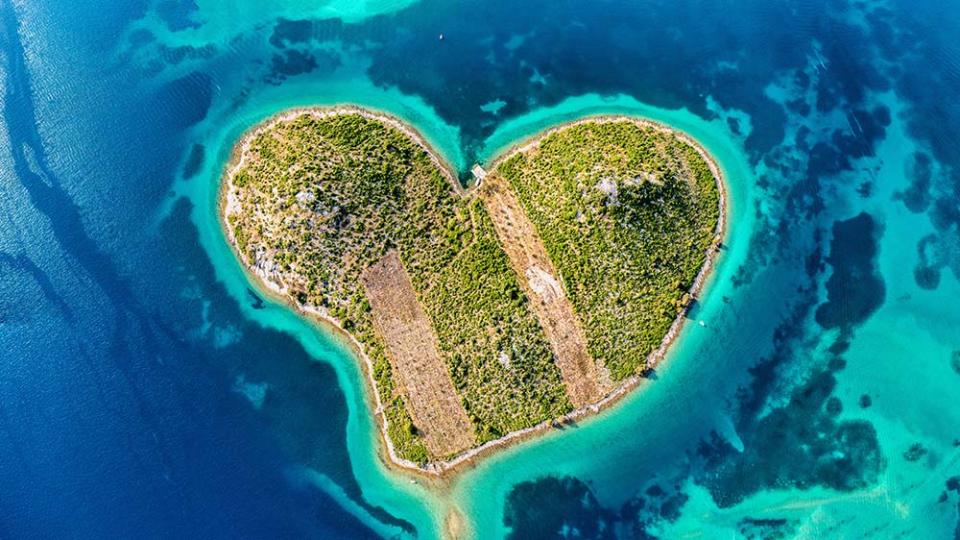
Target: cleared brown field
(585, 382)
(415, 357)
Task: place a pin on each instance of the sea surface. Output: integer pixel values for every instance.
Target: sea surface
(149, 390)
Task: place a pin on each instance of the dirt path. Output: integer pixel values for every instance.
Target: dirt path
(415, 357)
(584, 380)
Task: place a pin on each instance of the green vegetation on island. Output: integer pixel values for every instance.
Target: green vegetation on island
(627, 213)
(330, 206)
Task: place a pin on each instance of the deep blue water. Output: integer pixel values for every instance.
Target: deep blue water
(142, 396)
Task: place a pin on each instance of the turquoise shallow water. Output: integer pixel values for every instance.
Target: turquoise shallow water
(147, 388)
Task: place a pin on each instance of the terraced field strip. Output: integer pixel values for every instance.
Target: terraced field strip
(582, 377)
(414, 353)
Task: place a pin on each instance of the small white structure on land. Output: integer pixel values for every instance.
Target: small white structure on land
(478, 173)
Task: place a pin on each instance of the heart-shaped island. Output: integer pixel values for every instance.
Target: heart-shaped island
(534, 297)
